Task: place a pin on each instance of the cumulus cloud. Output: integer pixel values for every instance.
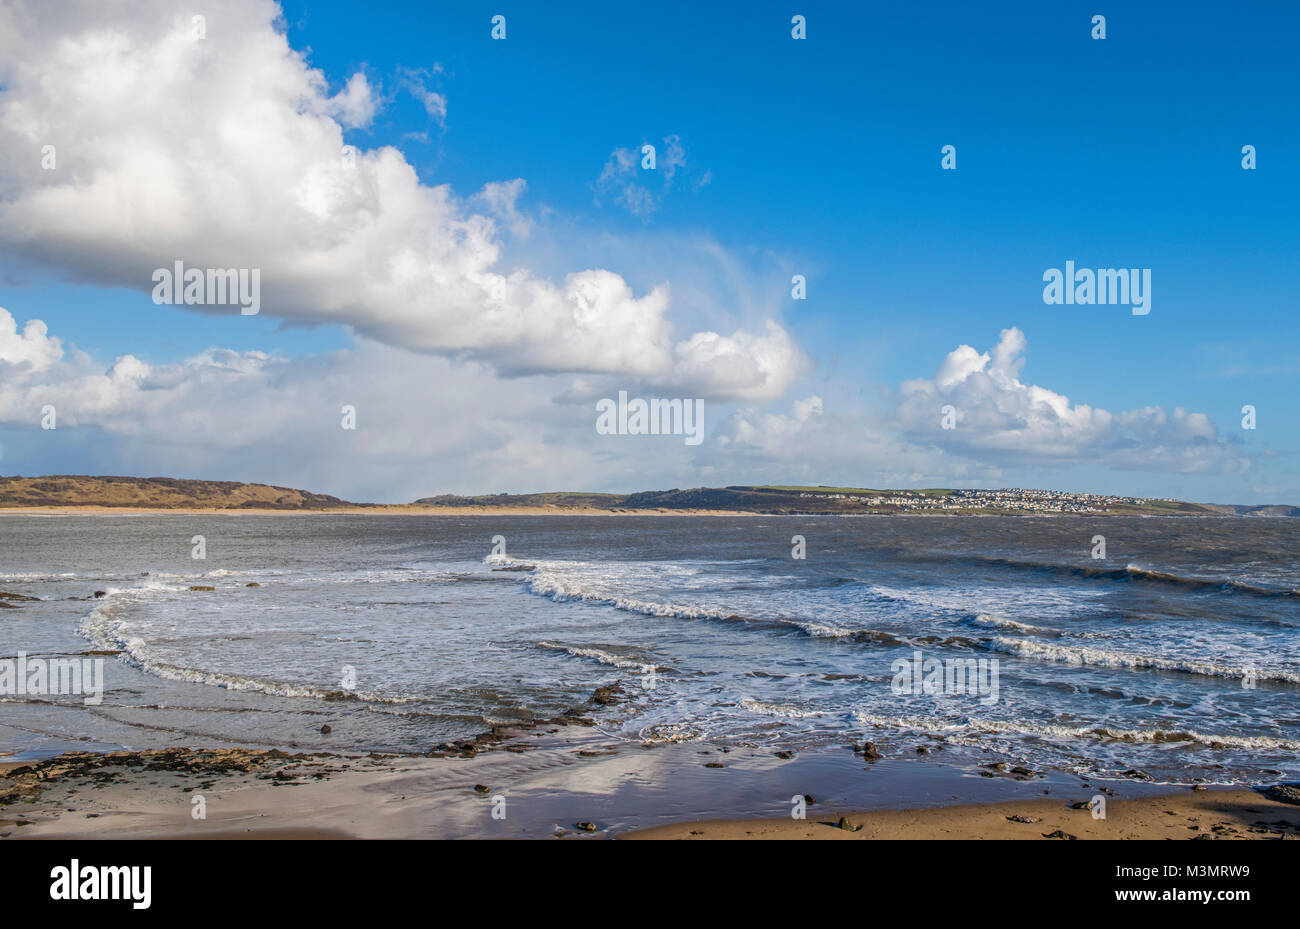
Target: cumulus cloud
(741, 366)
(31, 350)
(225, 151)
(1000, 418)
(353, 106)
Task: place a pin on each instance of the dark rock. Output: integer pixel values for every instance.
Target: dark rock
(869, 752)
(785, 755)
(1284, 793)
(585, 827)
(846, 825)
(325, 729)
(1136, 775)
(481, 788)
(606, 695)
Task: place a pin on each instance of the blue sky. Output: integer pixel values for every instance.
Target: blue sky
(822, 157)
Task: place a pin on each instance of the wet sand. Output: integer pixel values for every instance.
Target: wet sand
(578, 783)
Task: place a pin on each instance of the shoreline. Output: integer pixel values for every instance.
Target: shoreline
(384, 509)
(408, 509)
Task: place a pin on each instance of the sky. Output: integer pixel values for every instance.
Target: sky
(457, 238)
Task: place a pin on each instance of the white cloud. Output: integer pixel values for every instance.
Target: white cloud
(499, 199)
(225, 151)
(742, 366)
(31, 350)
(259, 417)
(1001, 419)
(354, 106)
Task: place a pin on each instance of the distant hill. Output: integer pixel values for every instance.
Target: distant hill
(793, 499)
(163, 493)
(166, 493)
(1266, 510)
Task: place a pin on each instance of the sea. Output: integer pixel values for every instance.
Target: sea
(1176, 657)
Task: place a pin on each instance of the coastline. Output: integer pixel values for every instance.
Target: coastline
(383, 509)
(413, 509)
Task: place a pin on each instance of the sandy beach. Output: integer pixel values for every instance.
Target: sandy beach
(1209, 814)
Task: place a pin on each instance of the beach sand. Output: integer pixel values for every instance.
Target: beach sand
(576, 783)
(1208, 814)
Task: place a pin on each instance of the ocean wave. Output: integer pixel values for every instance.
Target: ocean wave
(1129, 573)
(506, 561)
(786, 710)
(998, 622)
(975, 726)
(1096, 657)
(820, 630)
(601, 656)
(104, 628)
(670, 733)
(547, 581)
(555, 586)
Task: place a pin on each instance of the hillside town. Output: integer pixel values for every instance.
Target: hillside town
(1006, 499)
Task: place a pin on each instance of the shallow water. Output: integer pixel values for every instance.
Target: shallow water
(1177, 655)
